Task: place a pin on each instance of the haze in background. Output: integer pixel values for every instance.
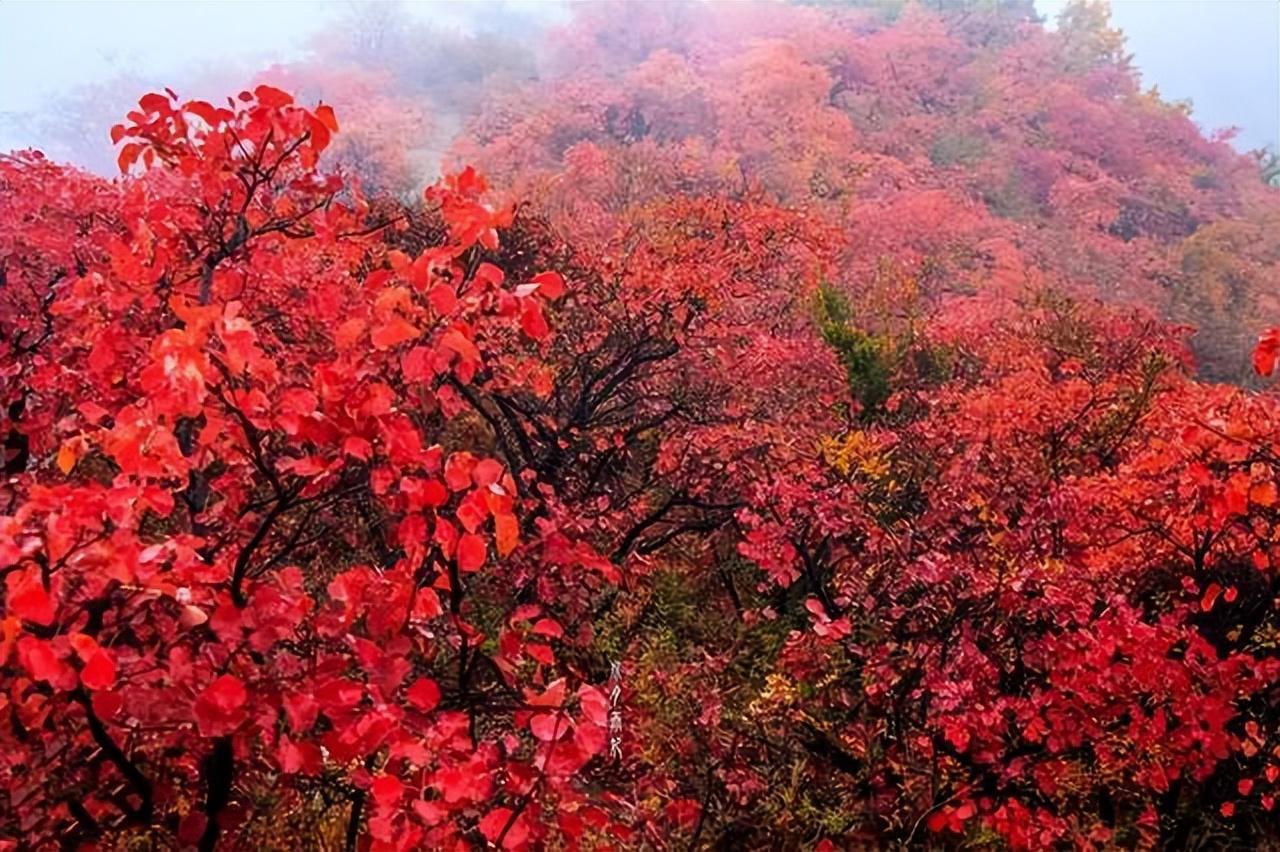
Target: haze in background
(66, 67)
(1222, 55)
(70, 69)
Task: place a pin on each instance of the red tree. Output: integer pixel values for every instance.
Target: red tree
(245, 542)
(825, 383)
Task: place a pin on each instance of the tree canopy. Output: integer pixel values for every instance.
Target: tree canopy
(783, 426)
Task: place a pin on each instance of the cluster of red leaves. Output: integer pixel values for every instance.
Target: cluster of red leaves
(972, 137)
(896, 531)
(1028, 596)
(239, 536)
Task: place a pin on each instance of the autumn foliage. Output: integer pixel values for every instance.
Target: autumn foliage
(783, 427)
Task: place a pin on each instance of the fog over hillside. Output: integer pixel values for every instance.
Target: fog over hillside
(65, 67)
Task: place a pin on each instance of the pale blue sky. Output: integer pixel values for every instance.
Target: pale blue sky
(1222, 54)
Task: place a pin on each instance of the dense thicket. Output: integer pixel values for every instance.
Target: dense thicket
(823, 403)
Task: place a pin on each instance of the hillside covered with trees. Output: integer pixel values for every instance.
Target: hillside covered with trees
(784, 426)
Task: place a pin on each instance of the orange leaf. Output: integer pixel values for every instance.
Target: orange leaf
(506, 532)
(458, 342)
(395, 331)
(67, 456)
(324, 112)
(399, 260)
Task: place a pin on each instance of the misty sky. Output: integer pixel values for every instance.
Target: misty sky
(1224, 55)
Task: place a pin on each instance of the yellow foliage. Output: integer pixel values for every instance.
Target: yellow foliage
(778, 691)
(857, 452)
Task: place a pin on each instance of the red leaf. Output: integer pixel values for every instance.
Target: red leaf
(683, 812)
(107, 704)
(541, 653)
(298, 757)
(192, 827)
(153, 102)
(548, 726)
(442, 299)
(492, 824)
(99, 670)
(301, 709)
(472, 552)
(348, 333)
(319, 135)
(533, 322)
(471, 512)
(595, 705)
(220, 707)
(386, 789)
(128, 154)
(469, 181)
(489, 275)
(203, 110)
(40, 661)
(434, 493)
(486, 472)
(1265, 352)
(416, 364)
(424, 694)
(399, 260)
(27, 599)
(550, 284)
(9, 628)
(392, 333)
(457, 471)
(357, 447)
(547, 627)
(1210, 597)
(271, 97)
(552, 697)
